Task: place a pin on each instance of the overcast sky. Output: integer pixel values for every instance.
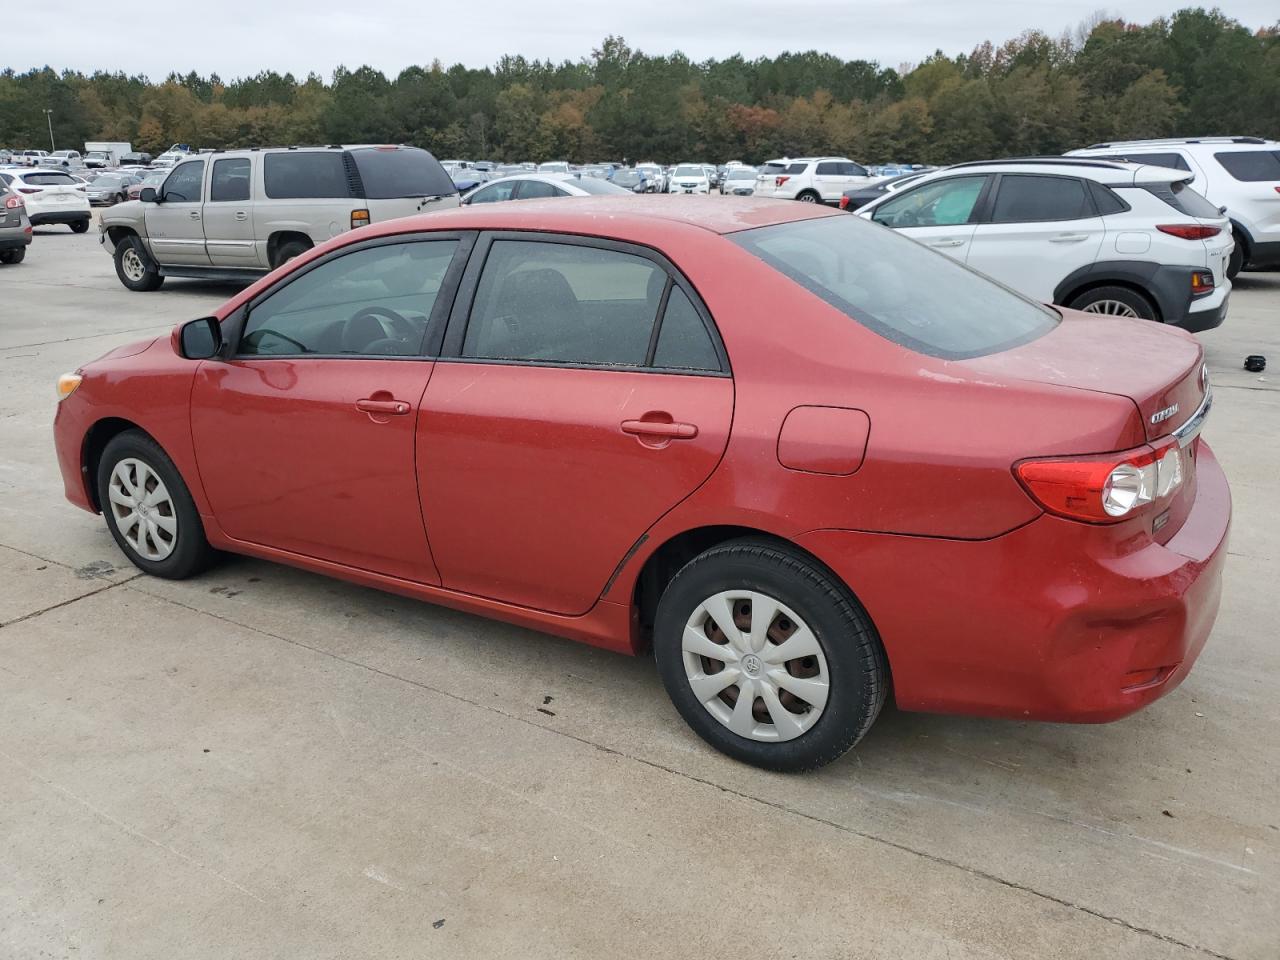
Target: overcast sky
(237, 38)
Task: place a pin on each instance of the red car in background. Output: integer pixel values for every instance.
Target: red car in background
(801, 458)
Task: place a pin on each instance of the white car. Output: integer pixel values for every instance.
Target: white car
(29, 158)
(542, 186)
(51, 196)
(1101, 236)
(554, 166)
(1239, 173)
(689, 178)
(811, 179)
(70, 158)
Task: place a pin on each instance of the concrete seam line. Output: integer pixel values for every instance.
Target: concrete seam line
(91, 336)
(973, 871)
(67, 603)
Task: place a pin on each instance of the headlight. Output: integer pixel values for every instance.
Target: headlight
(68, 383)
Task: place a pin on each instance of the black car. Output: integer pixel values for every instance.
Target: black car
(853, 199)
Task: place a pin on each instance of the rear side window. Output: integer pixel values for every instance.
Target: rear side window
(305, 176)
(401, 172)
(1106, 200)
(898, 288)
(828, 168)
(564, 303)
(49, 179)
(230, 180)
(683, 341)
(797, 168)
(1251, 166)
(1184, 199)
(1175, 161)
(1023, 198)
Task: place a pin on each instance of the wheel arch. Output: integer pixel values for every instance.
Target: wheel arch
(118, 233)
(279, 238)
(95, 442)
(1136, 276)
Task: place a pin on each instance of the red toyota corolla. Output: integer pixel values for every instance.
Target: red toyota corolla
(800, 457)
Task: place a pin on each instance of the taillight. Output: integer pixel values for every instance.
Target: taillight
(12, 203)
(1104, 489)
(844, 203)
(29, 190)
(1188, 231)
(779, 181)
(1201, 283)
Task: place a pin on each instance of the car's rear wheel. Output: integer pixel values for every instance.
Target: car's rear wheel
(149, 509)
(1115, 302)
(1236, 263)
(136, 270)
(808, 197)
(80, 226)
(289, 250)
(16, 255)
(768, 657)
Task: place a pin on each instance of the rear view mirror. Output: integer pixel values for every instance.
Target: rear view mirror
(201, 339)
(148, 195)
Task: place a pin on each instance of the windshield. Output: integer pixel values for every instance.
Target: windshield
(898, 288)
(690, 172)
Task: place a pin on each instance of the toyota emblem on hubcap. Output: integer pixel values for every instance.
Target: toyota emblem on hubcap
(751, 665)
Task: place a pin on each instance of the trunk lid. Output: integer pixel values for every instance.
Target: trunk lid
(1156, 367)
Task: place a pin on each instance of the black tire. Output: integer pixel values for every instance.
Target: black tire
(1236, 263)
(80, 226)
(858, 671)
(148, 279)
(1101, 299)
(288, 250)
(808, 196)
(16, 255)
(190, 552)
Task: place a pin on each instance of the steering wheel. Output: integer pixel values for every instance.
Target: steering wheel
(390, 326)
(400, 325)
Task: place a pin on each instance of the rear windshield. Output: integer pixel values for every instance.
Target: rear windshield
(402, 172)
(773, 168)
(1251, 166)
(898, 288)
(49, 179)
(1184, 199)
(305, 176)
(598, 187)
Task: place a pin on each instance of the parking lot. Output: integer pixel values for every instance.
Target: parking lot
(261, 762)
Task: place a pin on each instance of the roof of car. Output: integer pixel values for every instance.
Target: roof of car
(1104, 171)
(1182, 141)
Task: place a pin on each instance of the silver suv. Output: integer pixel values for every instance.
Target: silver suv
(237, 214)
(15, 227)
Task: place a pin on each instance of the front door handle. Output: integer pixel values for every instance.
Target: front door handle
(1069, 238)
(946, 243)
(241, 215)
(385, 408)
(660, 428)
(194, 214)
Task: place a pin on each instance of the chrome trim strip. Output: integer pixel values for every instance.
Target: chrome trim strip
(1191, 428)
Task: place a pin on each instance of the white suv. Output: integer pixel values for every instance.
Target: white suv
(51, 196)
(1095, 235)
(811, 179)
(1239, 173)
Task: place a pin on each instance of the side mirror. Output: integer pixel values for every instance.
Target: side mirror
(148, 195)
(200, 339)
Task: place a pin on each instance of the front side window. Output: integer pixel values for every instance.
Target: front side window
(942, 203)
(1023, 198)
(494, 193)
(850, 169)
(898, 288)
(183, 185)
(564, 303)
(374, 302)
(230, 180)
(305, 176)
(1251, 166)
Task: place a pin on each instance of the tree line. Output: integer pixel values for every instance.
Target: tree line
(1197, 72)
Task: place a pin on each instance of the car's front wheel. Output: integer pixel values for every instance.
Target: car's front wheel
(136, 270)
(768, 657)
(149, 509)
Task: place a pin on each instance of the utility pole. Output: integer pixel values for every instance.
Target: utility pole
(48, 115)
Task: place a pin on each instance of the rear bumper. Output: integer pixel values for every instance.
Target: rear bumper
(12, 240)
(1205, 319)
(1056, 620)
(59, 216)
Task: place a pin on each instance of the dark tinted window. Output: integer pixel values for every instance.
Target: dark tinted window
(1030, 199)
(373, 302)
(797, 168)
(538, 189)
(1174, 160)
(1184, 199)
(828, 168)
(564, 303)
(185, 183)
(297, 176)
(230, 180)
(773, 168)
(1106, 200)
(494, 193)
(940, 203)
(683, 341)
(853, 169)
(898, 288)
(49, 179)
(1251, 166)
(393, 172)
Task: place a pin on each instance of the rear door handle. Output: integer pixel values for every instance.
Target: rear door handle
(659, 428)
(386, 408)
(1069, 238)
(194, 214)
(241, 215)
(946, 243)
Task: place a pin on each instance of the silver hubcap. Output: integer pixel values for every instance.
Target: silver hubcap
(755, 666)
(142, 509)
(807, 198)
(1112, 308)
(132, 264)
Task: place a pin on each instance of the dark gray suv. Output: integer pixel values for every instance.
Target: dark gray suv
(15, 227)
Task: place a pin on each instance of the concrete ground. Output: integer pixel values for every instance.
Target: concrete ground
(264, 763)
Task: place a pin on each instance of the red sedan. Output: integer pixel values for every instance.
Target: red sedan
(801, 458)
